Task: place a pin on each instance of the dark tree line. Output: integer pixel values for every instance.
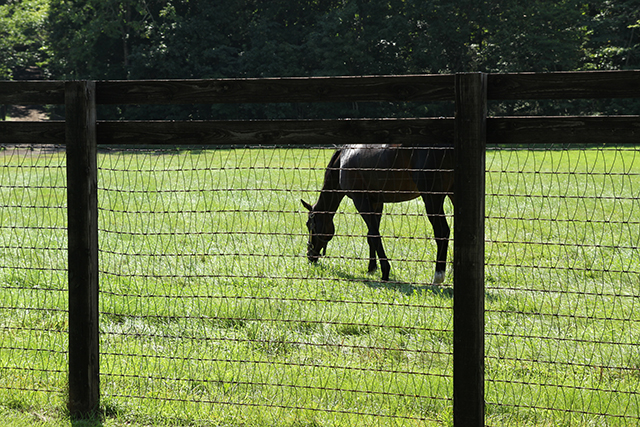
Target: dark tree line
(151, 39)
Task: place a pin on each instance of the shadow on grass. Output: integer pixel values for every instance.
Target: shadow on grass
(90, 420)
(95, 418)
(394, 285)
(443, 291)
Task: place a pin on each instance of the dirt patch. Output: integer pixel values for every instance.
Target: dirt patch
(23, 150)
(26, 113)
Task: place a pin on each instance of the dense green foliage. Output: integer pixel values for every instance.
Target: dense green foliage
(23, 36)
(257, 38)
(152, 39)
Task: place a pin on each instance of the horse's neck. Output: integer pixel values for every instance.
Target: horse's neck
(329, 200)
(331, 194)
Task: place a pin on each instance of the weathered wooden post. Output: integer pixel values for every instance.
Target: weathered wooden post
(82, 217)
(468, 300)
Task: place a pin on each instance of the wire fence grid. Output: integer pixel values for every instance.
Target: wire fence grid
(33, 277)
(563, 286)
(210, 312)
(203, 258)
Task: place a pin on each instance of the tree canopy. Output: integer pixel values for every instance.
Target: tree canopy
(152, 39)
(23, 36)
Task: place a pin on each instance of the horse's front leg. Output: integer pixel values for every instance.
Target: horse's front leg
(372, 215)
(375, 247)
(375, 242)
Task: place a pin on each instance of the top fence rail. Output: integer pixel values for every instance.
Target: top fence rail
(409, 88)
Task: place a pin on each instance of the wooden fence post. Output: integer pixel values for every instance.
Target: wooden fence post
(82, 217)
(468, 302)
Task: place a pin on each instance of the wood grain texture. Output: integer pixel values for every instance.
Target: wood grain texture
(36, 92)
(47, 132)
(564, 130)
(567, 85)
(278, 132)
(82, 218)
(468, 261)
(500, 130)
(278, 90)
(508, 86)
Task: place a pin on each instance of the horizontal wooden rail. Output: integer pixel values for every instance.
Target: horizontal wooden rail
(41, 92)
(500, 130)
(278, 90)
(410, 88)
(578, 130)
(276, 132)
(267, 90)
(45, 132)
(564, 85)
(258, 132)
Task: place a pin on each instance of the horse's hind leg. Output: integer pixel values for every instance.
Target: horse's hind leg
(434, 204)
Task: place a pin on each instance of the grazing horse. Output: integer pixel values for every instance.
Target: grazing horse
(372, 175)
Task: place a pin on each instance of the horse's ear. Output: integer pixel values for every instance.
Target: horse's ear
(306, 205)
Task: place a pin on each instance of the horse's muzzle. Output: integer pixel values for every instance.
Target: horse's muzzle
(313, 255)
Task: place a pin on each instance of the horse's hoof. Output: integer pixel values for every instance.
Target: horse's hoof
(438, 278)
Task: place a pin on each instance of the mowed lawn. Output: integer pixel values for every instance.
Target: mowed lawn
(211, 314)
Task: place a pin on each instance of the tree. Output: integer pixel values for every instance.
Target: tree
(614, 41)
(23, 42)
(538, 36)
(150, 39)
(94, 38)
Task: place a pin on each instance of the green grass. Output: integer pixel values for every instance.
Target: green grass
(563, 314)
(211, 315)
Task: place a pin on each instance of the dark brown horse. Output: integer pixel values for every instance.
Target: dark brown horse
(372, 175)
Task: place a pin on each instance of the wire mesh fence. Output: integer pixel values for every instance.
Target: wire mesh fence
(563, 286)
(211, 311)
(33, 276)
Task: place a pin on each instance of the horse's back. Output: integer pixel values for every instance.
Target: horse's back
(382, 171)
(395, 173)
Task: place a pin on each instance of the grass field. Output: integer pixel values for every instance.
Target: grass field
(211, 315)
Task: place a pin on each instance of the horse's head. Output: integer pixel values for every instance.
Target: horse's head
(321, 231)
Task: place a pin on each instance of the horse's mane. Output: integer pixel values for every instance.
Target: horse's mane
(331, 194)
(332, 173)
(333, 163)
